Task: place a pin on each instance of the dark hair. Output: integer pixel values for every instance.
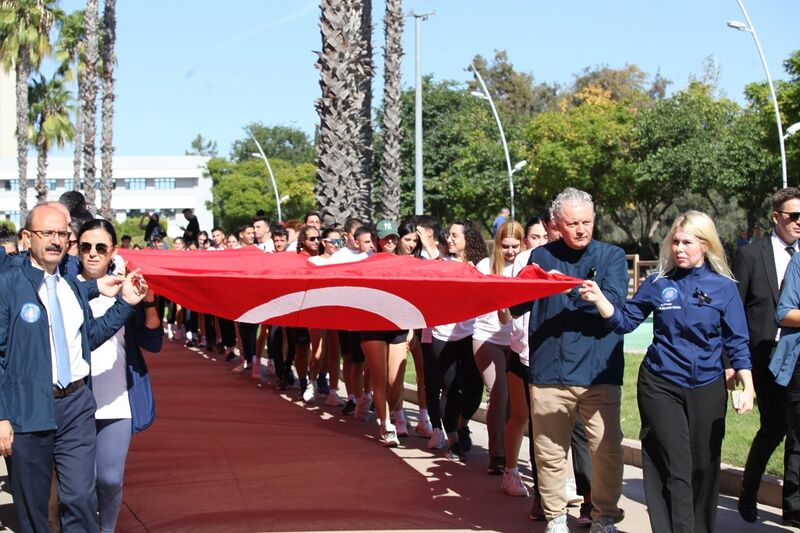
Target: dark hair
(74, 201)
(204, 232)
(279, 231)
(217, 228)
(176, 239)
(79, 219)
(532, 222)
(361, 231)
(126, 237)
(426, 221)
(98, 223)
(259, 218)
(311, 214)
(330, 229)
(7, 235)
(187, 210)
(475, 245)
(244, 227)
(405, 228)
(351, 224)
(784, 195)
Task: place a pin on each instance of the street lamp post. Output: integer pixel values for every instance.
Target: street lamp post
(485, 95)
(736, 25)
(271, 175)
(418, 18)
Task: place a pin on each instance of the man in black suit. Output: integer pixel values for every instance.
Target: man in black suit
(759, 268)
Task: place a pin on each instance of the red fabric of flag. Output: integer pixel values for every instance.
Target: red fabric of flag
(382, 292)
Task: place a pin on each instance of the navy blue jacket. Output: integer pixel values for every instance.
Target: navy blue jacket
(140, 393)
(697, 315)
(570, 343)
(26, 375)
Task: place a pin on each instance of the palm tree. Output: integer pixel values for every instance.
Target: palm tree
(363, 72)
(107, 147)
(71, 51)
(89, 100)
(24, 41)
(392, 107)
(336, 159)
(50, 108)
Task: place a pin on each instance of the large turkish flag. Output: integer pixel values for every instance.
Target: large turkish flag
(382, 292)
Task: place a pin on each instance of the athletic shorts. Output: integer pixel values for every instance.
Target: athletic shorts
(395, 336)
(516, 367)
(350, 345)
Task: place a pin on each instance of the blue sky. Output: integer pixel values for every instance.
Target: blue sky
(195, 66)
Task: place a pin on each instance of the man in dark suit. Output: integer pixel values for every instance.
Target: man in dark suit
(47, 411)
(759, 268)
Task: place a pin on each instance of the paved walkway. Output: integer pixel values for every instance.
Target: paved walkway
(229, 454)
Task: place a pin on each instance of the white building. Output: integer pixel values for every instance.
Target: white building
(164, 185)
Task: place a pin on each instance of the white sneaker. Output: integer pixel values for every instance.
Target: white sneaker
(308, 394)
(512, 484)
(334, 400)
(400, 423)
(571, 493)
(604, 525)
(270, 367)
(362, 407)
(557, 525)
(437, 440)
(424, 428)
(390, 439)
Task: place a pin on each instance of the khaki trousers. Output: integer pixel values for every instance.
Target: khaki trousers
(554, 409)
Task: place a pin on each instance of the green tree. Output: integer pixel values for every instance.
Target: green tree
(50, 107)
(24, 42)
(88, 101)
(241, 189)
(629, 84)
(202, 146)
(279, 142)
(71, 54)
(109, 59)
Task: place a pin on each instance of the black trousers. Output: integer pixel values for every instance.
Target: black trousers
(772, 413)
(682, 431)
(211, 329)
(791, 458)
(249, 336)
(227, 331)
(460, 385)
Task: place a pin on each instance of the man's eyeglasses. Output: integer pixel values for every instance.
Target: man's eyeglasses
(793, 215)
(47, 234)
(334, 242)
(312, 239)
(101, 247)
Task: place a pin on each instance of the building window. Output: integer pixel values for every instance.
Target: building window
(136, 184)
(13, 216)
(165, 183)
(68, 184)
(12, 185)
(50, 184)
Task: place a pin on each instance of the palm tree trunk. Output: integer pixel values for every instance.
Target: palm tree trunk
(41, 173)
(364, 72)
(109, 58)
(89, 103)
(23, 71)
(78, 140)
(392, 108)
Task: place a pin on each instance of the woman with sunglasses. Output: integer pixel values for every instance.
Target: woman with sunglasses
(120, 382)
(307, 341)
(490, 342)
(331, 243)
(386, 354)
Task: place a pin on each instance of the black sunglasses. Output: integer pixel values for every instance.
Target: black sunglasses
(312, 239)
(793, 215)
(101, 247)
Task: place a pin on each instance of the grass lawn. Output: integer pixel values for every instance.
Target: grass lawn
(739, 429)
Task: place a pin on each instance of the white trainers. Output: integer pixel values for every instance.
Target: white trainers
(557, 525)
(424, 428)
(334, 400)
(437, 440)
(362, 407)
(390, 439)
(308, 394)
(400, 423)
(512, 484)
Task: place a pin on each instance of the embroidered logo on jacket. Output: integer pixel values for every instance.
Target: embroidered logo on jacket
(30, 313)
(669, 295)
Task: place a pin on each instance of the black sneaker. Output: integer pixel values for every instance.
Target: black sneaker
(747, 507)
(497, 465)
(322, 385)
(230, 357)
(464, 439)
(349, 407)
(455, 452)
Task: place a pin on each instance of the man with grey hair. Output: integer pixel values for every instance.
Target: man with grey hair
(576, 365)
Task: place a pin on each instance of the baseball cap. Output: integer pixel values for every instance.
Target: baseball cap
(386, 228)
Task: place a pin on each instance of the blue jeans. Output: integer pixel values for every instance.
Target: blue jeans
(113, 440)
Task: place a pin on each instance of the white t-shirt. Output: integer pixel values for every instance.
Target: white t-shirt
(346, 255)
(268, 246)
(488, 326)
(519, 326)
(455, 331)
(109, 379)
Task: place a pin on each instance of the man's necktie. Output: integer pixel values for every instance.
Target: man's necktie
(790, 250)
(59, 335)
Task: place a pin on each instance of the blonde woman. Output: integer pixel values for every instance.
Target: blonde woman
(697, 316)
(490, 344)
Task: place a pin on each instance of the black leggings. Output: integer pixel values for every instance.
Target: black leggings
(453, 383)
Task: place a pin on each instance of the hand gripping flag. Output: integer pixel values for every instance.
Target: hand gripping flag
(382, 292)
